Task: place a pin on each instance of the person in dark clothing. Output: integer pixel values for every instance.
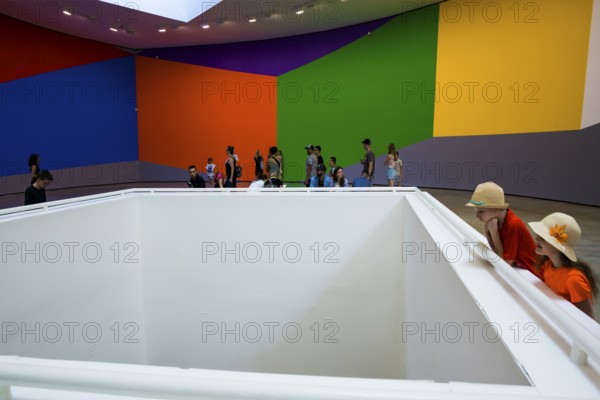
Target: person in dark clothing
(34, 166)
(259, 164)
(36, 193)
(230, 164)
(319, 156)
(368, 162)
(196, 181)
(273, 183)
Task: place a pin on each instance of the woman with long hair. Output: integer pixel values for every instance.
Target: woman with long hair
(273, 163)
(230, 175)
(394, 166)
(34, 166)
(339, 180)
(259, 165)
(557, 264)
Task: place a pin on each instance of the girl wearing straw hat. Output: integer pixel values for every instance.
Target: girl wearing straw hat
(556, 235)
(507, 234)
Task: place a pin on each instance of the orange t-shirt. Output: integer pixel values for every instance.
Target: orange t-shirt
(569, 283)
(517, 242)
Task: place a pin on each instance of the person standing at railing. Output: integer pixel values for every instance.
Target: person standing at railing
(273, 163)
(210, 172)
(339, 180)
(368, 161)
(34, 166)
(36, 193)
(230, 170)
(394, 166)
(319, 156)
(332, 165)
(507, 235)
(321, 179)
(558, 267)
(219, 180)
(258, 183)
(311, 164)
(259, 165)
(195, 181)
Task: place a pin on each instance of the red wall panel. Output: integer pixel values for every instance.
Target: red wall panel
(30, 50)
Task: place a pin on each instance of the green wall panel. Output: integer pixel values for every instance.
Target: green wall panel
(365, 89)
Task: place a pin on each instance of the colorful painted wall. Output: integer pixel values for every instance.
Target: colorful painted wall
(493, 90)
(68, 99)
(196, 101)
(469, 92)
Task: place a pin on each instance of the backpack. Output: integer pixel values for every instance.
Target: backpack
(361, 182)
(273, 183)
(238, 171)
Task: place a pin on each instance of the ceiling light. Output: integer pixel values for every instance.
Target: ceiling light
(162, 30)
(252, 20)
(67, 12)
(114, 29)
(205, 26)
(300, 12)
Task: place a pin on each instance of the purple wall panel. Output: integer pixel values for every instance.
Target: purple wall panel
(162, 173)
(267, 57)
(89, 176)
(556, 166)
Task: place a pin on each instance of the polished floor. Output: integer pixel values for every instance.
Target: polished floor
(527, 209)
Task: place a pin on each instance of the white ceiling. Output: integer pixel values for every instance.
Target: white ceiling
(228, 20)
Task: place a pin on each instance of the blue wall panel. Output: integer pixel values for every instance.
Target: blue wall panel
(74, 117)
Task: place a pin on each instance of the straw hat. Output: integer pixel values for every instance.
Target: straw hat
(488, 195)
(561, 231)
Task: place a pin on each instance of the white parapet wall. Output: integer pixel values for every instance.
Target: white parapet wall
(280, 294)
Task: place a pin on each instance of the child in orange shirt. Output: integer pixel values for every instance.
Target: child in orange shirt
(507, 235)
(558, 267)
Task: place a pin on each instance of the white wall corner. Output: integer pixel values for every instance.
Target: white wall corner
(591, 102)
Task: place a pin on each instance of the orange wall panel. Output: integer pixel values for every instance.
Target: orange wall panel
(188, 113)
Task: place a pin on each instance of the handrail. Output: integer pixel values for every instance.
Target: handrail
(43, 207)
(384, 189)
(176, 383)
(60, 203)
(584, 342)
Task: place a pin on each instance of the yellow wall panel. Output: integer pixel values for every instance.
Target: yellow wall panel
(509, 66)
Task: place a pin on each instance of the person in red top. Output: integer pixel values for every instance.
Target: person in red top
(558, 267)
(507, 235)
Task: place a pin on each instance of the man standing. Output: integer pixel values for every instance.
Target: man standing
(196, 181)
(319, 156)
(311, 164)
(36, 193)
(368, 162)
(332, 165)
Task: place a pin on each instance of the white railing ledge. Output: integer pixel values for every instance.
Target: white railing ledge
(584, 343)
(187, 384)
